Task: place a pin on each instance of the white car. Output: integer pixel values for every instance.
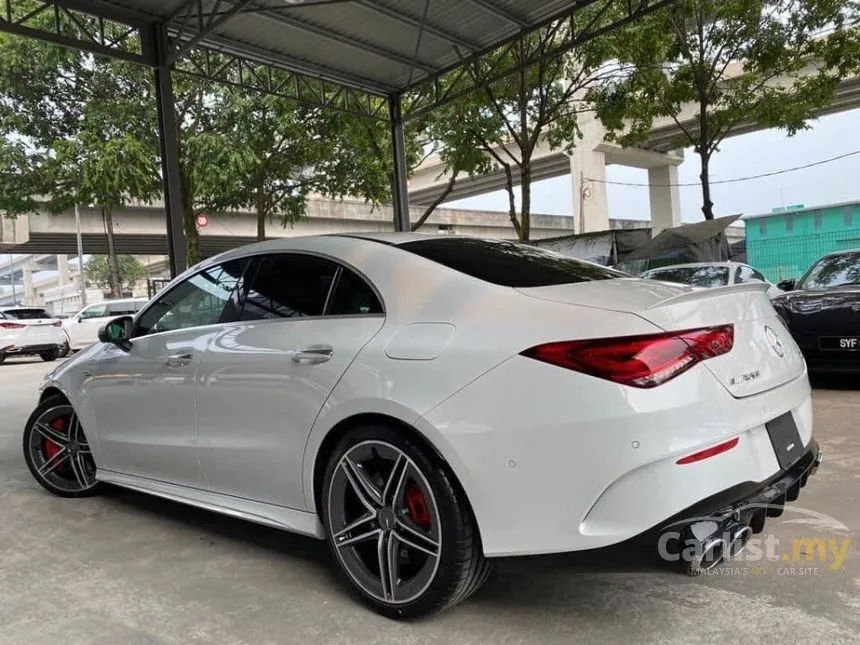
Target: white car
(82, 329)
(30, 331)
(710, 274)
(428, 403)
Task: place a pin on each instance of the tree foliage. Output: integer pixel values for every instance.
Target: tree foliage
(715, 66)
(99, 272)
(503, 123)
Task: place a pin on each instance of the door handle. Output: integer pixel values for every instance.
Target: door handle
(178, 360)
(313, 355)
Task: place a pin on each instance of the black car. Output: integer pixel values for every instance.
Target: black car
(822, 310)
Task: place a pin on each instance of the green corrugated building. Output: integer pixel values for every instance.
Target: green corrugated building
(784, 243)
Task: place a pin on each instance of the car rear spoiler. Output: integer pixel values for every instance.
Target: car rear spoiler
(704, 294)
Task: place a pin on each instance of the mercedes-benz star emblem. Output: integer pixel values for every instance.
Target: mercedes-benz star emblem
(774, 341)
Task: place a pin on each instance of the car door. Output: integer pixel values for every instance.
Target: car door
(265, 377)
(142, 400)
(83, 329)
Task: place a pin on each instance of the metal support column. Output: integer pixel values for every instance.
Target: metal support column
(399, 196)
(168, 135)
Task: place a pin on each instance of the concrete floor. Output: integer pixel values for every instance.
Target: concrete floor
(127, 569)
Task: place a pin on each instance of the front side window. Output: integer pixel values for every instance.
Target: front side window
(200, 300)
(508, 264)
(288, 285)
(833, 271)
(95, 311)
(126, 308)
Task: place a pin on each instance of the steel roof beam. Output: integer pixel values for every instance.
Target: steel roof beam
(497, 11)
(433, 30)
(386, 54)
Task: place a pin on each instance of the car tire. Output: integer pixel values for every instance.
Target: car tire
(44, 441)
(430, 513)
(50, 355)
(64, 350)
(2, 358)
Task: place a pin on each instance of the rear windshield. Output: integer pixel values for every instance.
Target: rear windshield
(707, 276)
(833, 271)
(507, 263)
(26, 314)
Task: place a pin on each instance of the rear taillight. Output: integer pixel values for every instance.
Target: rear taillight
(638, 361)
(59, 323)
(8, 325)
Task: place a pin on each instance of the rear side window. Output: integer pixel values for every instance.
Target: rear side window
(352, 296)
(705, 276)
(288, 286)
(26, 314)
(508, 264)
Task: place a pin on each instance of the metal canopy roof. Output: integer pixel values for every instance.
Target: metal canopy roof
(339, 53)
(382, 47)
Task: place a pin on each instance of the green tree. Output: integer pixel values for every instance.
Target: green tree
(506, 120)
(713, 66)
(99, 271)
(272, 153)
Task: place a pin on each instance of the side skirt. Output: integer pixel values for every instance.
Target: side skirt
(279, 517)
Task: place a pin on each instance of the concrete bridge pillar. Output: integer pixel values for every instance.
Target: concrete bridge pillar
(588, 174)
(664, 197)
(29, 289)
(62, 270)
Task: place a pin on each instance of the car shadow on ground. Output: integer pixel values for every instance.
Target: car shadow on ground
(531, 580)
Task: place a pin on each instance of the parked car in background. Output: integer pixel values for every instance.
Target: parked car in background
(82, 329)
(30, 331)
(710, 274)
(429, 402)
(822, 311)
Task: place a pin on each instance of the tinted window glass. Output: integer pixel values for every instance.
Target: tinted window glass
(833, 271)
(288, 286)
(705, 276)
(126, 308)
(351, 296)
(199, 300)
(95, 311)
(506, 263)
(26, 314)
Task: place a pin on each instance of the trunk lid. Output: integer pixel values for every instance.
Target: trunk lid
(764, 355)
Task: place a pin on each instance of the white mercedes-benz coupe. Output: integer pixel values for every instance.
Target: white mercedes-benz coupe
(428, 403)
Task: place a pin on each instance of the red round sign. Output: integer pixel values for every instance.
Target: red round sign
(202, 221)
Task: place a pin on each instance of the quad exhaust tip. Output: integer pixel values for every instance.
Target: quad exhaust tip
(727, 542)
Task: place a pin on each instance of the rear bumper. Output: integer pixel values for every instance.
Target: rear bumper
(750, 502)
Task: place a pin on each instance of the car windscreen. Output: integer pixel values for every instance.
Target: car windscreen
(26, 314)
(704, 276)
(507, 263)
(833, 271)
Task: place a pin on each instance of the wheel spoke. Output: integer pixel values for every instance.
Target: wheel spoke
(362, 537)
(79, 470)
(50, 434)
(382, 558)
(74, 427)
(355, 525)
(416, 539)
(53, 462)
(395, 481)
(393, 566)
(361, 484)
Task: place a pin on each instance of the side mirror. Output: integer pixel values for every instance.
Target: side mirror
(786, 285)
(117, 332)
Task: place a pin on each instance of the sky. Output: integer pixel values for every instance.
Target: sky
(743, 156)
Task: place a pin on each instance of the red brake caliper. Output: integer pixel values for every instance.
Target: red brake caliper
(49, 448)
(417, 506)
